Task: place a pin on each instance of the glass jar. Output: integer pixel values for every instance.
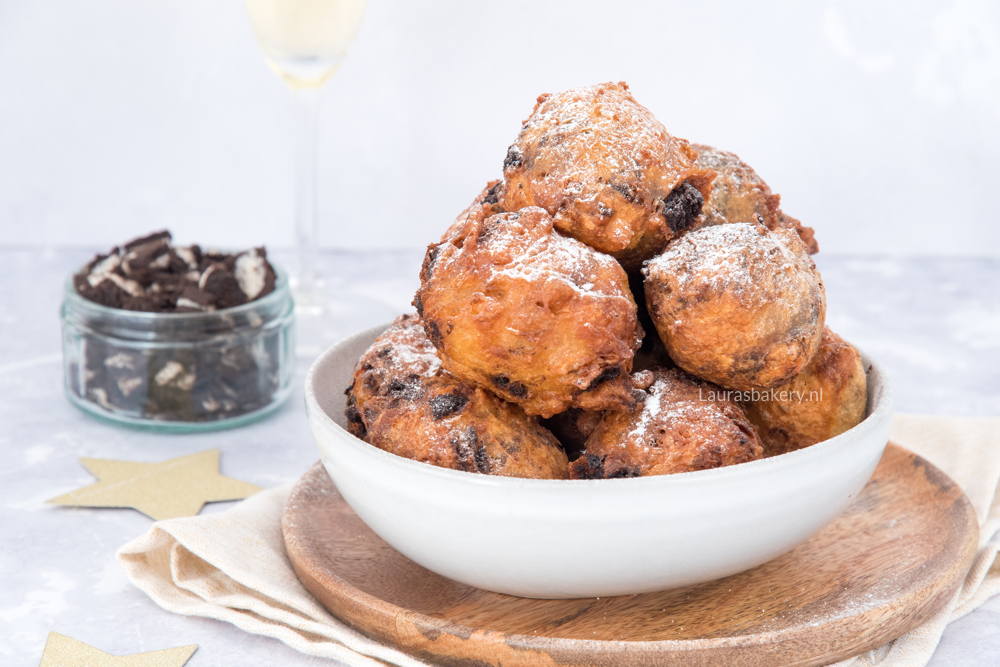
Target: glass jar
(179, 371)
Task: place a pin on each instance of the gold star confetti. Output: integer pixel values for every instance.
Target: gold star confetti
(62, 651)
(165, 490)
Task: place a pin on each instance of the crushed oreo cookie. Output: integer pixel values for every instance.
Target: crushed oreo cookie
(219, 366)
(151, 274)
(682, 206)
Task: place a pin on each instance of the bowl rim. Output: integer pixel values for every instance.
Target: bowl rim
(882, 407)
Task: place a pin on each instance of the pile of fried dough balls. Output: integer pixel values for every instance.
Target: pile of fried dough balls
(621, 304)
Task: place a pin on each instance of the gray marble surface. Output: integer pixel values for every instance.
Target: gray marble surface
(934, 323)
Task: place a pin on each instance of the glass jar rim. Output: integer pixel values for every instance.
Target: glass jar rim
(280, 293)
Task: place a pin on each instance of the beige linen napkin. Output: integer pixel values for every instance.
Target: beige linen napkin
(232, 565)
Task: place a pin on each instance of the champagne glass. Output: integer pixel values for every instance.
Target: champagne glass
(304, 42)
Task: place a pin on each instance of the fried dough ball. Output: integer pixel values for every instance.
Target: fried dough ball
(737, 305)
(824, 400)
(402, 401)
(683, 424)
(536, 317)
(607, 170)
(400, 354)
(740, 195)
(451, 424)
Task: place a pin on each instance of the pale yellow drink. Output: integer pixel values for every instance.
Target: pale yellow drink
(305, 40)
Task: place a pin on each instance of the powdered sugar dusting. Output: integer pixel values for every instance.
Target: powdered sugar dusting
(549, 315)
(423, 361)
(411, 352)
(737, 172)
(737, 256)
(603, 166)
(573, 113)
(737, 304)
(658, 408)
(650, 409)
(548, 256)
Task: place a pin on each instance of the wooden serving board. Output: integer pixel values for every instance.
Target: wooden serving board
(889, 562)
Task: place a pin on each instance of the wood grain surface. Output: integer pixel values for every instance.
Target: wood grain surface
(894, 557)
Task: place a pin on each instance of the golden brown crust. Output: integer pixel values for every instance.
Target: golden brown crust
(684, 424)
(401, 354)
(454, 425)
(806, 234)
(572, 428)
(402, 401)
(739, 194)
(485, 204)
(607, 170)
(541, 319)
(737, 305)
(827, 398)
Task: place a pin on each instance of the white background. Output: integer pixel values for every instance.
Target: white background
(878, 122)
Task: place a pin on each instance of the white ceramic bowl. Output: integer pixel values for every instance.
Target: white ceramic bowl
(589, 538)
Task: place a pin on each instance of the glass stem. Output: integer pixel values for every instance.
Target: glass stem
(307, 288)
